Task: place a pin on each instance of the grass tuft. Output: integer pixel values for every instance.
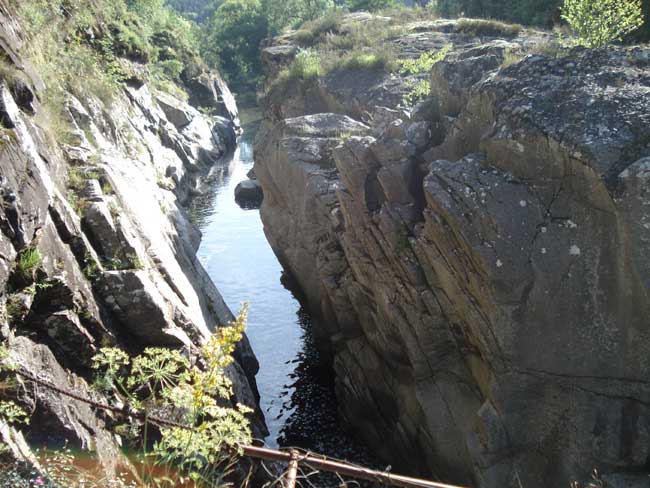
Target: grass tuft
(487, 27)
(331, 22)
(381, 60)
(306, 66)
(511, 57)
(28, 261)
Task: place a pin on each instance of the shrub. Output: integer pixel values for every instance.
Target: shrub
(486, 27)
(371, 5)
(171, 68)
(381, 60)
(28, 260)
(420, 88)
(130, 41)
(536, 12)
(553, 48)
(511, 57)
(401, 14)
(330, 22)
(424, 63)
(76, 44)
(600, 22)
(303, 37)
(306, 65)
(370, 33)
(163, 380)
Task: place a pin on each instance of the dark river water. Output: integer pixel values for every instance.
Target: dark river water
(297, 392)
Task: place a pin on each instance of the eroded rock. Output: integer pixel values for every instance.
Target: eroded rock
(476, 264)
(95, 248)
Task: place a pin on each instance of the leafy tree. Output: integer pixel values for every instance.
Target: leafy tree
(233, 39)
(600, 22)
(370, 5)
(199, 11)
(312, 9)
(537, 12)
(238, 27)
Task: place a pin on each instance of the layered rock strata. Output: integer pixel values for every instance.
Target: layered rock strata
(477, 264)
(96, 249)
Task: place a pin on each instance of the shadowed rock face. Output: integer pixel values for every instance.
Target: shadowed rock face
(117, 263)
(477, 264)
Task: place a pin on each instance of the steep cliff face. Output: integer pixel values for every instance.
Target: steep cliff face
(96, 249)
(478, 262)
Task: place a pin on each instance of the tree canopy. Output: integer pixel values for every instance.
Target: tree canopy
(233, 30)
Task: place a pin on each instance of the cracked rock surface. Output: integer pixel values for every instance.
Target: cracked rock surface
(116, 252)
(477, 264)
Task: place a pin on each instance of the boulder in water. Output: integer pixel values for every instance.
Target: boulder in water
(249, 194)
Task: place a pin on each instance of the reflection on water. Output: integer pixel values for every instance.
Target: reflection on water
(297, 392)
(239, 260)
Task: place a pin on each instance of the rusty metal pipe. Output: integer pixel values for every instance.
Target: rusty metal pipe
(324, 464)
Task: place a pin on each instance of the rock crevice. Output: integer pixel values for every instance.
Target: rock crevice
(475, 263)
(96, 248)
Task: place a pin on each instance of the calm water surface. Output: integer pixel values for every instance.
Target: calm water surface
(241, 263)
(297, 392)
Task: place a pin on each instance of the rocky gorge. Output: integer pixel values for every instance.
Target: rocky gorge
(475, 263)
(85, 260)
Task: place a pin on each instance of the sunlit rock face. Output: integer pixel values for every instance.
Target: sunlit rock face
(477, 263)
(117, 262)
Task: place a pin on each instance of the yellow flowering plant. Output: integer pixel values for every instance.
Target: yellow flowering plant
(194, 393)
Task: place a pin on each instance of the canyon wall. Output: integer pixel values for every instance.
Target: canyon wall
(99, 213)
(476, 263)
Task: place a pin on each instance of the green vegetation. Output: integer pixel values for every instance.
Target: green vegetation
(420, 88)
(486, 27)
(548, 13)
(197, 11)
(361, 46)
(233, 38)
(83, 47)
(553, 48)
(371, 34)
(131, 261)
(511, 57)
(91, 268)
(424, 63)
(161, 380)
(316, 31)
(371, 5)
(332, 46)
(28, 261)
(600, 22)
(305, 66)
(6, 136)
(15, 309)
(77, 178)
(12, 414)
(197, 393)
(380, 60)
(528, 12)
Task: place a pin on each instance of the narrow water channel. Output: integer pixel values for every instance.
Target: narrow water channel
(297, 392)
(242, 265)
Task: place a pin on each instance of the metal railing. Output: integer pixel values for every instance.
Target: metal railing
(292, 457)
